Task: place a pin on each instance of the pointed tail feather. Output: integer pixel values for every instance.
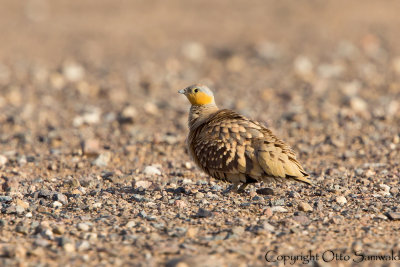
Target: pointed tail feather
(302, 179)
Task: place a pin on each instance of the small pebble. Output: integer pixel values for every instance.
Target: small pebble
(278, 209)
(91, 147)
(151, 170)
(202, 213)
(180, 204)
(142, 214)
(278, 202)
(341, 200)
(83, 227)
(238, 230)
(73, 72)
(5, 199)
(22, 203)
(3, 160)
(19, 209)
(303, 66)
(303, 206)
(83, 245)
(188, 165)
(144, 184)
(68, 247)
(61, 198)
(152, 109)
(199, 195)
(130, 224)
(268, 212)
(57, 204)
(59, 229)
(127, 115)
(268, 227)
(385, 188)
(192, 232)
(265, 191)
(41, 242)
(394, 191)
(103, 159)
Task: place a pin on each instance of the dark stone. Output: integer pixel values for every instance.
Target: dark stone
(45, 194)
(5, 199)
(265, 191)
(202, 213)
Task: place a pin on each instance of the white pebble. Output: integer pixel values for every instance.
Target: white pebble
(358, 104)
(3, 160)
(151, 170)
(91, 116)
(384, 187)
(73, 72)
(83, 227)
(130, 224)
(278, 209)
(57, 204)
(143, 184)
(129, 112)
(68, 247)
(341, 200)
(187, 181)
(83, 245)
(103, 159)
(188, 165)
(151, 108)
(303, 66)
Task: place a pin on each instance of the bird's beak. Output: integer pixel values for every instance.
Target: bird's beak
(182, 91)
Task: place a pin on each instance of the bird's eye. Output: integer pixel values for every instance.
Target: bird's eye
(196, 90)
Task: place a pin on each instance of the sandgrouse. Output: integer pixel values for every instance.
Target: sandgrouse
(233, 148)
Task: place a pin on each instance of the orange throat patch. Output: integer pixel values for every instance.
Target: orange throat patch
(200, 98)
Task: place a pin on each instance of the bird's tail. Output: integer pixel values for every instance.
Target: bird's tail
(303, 179)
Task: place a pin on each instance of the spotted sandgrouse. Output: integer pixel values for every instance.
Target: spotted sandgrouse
(233, 148)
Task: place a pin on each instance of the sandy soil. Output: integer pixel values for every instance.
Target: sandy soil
(93, 165)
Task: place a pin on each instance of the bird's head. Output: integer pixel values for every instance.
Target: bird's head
(198, 94)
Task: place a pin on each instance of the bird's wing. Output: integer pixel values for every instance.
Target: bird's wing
(223, 147)
(229, 146)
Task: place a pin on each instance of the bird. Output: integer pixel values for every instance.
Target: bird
(230, 147)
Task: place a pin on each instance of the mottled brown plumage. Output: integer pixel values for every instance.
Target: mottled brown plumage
(233, 148)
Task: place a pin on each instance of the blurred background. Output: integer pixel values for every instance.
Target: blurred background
(68, 64)
(88, 101)
(72, 71)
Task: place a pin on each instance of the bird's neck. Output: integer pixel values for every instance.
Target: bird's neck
(198, 113)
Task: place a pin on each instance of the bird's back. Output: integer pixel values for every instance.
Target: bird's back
(230, 147)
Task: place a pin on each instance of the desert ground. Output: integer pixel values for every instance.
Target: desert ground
(94, 170)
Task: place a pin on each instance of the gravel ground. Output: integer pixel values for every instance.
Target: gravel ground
(93, 165)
